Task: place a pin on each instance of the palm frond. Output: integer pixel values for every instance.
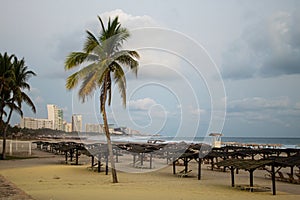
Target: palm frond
(92, 76)
(102, 25)
(72, 81)
(134, 54)
(28, 101)
(76, 58)
(88, 85)
(128, 61)
(91, 43)
(14, 107)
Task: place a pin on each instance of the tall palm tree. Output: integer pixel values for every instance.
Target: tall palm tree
(103, 59)
(14, 95)
(6, 79)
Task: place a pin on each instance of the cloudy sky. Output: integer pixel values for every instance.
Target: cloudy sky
(206, 66)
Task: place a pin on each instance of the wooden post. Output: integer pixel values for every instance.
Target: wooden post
(71, 154)
(292, 170)
(174, 167)
(212, 164)
(251, 179)
(117, 155)
(273, 180)
(232, 176)
(134, 157)
(93, 160)
(199, 168)
(150, 160)
(185, 161)
(66, 157)
(76, 154)
(142, 158)
(99, 165)
(106, 167)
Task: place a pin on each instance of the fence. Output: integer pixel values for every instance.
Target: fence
(17, 147)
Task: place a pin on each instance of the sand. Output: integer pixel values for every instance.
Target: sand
(48, 178)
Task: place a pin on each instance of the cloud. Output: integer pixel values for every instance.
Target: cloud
(257, 109)
(141, 104)
(196, 111)
(267, 48)
(257, 104)
(129, 21)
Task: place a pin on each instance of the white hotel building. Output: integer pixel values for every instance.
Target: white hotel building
(33, 123)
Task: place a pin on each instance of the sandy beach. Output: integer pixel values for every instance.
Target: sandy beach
(47, 177)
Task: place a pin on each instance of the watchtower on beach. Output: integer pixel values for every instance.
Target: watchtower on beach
(216, 140)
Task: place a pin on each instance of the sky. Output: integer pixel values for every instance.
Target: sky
(206, 66)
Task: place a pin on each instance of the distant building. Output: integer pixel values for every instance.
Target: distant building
(77, 123)
(67, 127)
(94, 128)
(33, 123)
(55, 114)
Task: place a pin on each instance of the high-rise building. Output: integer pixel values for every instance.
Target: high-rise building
(55, 114)
(77, 123)
(33, 123)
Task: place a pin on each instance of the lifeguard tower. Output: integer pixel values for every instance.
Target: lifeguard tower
(216, 140)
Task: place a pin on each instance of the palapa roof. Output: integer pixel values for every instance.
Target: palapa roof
(244, 164)
(286, 161)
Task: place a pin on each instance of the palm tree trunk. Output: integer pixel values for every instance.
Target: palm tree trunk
(4, 135)
(106, 129)
(109, 146)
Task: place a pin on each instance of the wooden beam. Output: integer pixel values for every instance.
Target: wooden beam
(77, 155)
(142, 158)
(106, 164)
(199, 169)
(186, 163)
(117, 155)
(66, 157)
(93, 160)
(273, 179)
(232, 176)
(174, 167)
(251, 179)
(134, 159)
(99, 166)
(150, 160)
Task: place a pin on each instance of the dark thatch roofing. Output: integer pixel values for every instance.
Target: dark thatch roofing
(244, 164)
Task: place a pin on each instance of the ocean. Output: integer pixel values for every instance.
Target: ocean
(285, 142)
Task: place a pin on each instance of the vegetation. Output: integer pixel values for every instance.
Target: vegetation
(103, 59)
(14, 75)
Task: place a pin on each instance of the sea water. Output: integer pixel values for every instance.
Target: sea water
(285, 142)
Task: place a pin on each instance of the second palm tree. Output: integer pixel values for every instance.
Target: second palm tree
(104, 59)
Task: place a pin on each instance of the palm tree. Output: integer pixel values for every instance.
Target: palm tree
(103, 59)
(14, 96)
(6, 78)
